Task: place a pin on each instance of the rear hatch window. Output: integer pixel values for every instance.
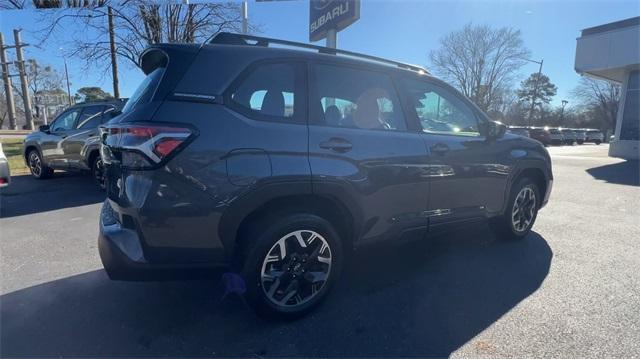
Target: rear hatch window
(145, 90)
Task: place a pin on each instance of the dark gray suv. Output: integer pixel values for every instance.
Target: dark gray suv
(276, 162)
(71, 141)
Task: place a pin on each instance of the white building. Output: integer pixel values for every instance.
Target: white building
(611, 52)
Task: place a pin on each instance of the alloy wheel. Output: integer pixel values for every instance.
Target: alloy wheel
(35, 164)
(296, 268)
(524, 208)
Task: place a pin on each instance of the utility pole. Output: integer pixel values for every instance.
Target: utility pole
(23, 79)
(564, 103)
(66, 74)
(535, 90)
(245, 17)
(8, 89)
(114, 62)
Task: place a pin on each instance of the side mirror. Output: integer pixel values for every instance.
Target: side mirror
(495, 129)
(43, 128)
(115, 113)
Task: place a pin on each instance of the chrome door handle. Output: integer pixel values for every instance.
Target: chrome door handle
(440, 148)
(337, 145)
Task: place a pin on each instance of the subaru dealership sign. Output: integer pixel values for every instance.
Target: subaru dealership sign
(331, 14)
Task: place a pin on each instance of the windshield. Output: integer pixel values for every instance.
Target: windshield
(145, 90)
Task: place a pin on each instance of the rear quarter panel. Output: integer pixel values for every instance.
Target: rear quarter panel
(225, 165)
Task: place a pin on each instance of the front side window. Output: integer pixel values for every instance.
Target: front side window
(439, 110)
(355, 98)
(66, 121)
(268, 92)
(91, 117)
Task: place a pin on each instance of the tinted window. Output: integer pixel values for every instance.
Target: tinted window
(91, 117)
(268, 92)
(145, 90)
(355, 98)
(66, 121)
(439, 110)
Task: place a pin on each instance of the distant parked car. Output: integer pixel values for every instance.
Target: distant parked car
(569, 136)
(540, 134)
(581, 136)
(595, 136)
(5, 173)
(71, 141)
(522, 131)
(557, 137)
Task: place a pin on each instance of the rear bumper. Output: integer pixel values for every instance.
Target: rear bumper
(120, 249)
(123, 257)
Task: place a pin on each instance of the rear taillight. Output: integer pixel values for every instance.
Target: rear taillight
(142, 145)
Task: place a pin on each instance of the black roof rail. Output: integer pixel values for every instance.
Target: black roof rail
(229, 38)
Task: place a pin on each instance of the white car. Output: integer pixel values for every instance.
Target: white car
(5, 174)
(595, 136)
(556, 136)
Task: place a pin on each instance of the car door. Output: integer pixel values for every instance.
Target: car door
(52, 144)
(468, 172)
(361, 151)
(85, 130)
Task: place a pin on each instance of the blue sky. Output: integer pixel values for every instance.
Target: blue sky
(401, 30)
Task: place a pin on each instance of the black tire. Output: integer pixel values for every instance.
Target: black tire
(97, 172)
(503, 226)
(37, 167)
(580, 142)
(263, 241)
(598, 142)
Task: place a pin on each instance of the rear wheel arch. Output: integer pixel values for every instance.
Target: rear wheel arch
(28, 150)
(92, 156)
(329, 209)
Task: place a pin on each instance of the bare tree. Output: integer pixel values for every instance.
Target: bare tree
(12, 4)
(138, 24)
(481, 61)
(41, 78)
(48, 4)
(600, 97)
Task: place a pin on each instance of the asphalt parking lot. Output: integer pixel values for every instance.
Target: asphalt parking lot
(570, 289)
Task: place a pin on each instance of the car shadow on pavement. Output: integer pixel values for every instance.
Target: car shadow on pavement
(422, 299)
(28, 195)
(626, 173)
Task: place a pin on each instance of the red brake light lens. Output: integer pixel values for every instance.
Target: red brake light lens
(143, 145)
(165, 147)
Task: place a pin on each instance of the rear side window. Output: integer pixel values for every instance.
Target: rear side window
(91, 117)
(145, 90)
(347, 97)
(270, 91)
